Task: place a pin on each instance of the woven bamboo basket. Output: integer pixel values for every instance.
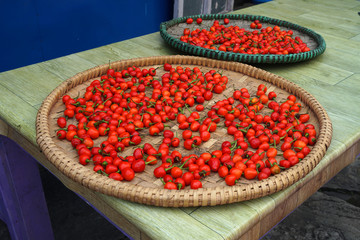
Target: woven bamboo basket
(172, 30)
(145, 188)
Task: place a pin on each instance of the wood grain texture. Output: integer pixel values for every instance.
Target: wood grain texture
(334, 82)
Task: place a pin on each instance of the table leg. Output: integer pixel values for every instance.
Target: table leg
(22, 204)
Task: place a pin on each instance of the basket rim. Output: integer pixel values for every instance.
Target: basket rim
(241, 57)
(188, 197)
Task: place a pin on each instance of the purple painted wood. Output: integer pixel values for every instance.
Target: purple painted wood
(22, 201)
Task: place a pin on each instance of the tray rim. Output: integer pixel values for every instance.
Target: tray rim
(182, 198)
(241, 57)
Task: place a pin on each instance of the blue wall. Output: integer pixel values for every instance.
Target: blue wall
(37, 30)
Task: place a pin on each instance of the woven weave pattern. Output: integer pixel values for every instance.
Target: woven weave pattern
(145, 188)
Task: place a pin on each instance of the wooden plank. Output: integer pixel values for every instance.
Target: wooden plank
(155, 38)
(4, 128)
(227, 220)
(339, 59)
(263, 205)
(24, 82)
(161, 223)
(144, 48)
(347, 16)
(321, 5)
(189, 210)
(252, 233)
(320, 25)
(67, 66)
(317, 18)
(316, 69)
(103, 55)
(356, 38)
(327, 96)
(273, 9)
(17, 113)
(334, 151)
(350, 130)
(349, 85)
(349, 46)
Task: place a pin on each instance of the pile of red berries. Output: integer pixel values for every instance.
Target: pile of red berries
(267, 40)
(120, 108)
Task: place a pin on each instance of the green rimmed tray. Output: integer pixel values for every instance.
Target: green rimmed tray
(171, 31)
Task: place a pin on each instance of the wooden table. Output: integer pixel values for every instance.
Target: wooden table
(333, 78)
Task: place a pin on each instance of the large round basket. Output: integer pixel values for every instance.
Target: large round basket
(172, 30)
(145, 188)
